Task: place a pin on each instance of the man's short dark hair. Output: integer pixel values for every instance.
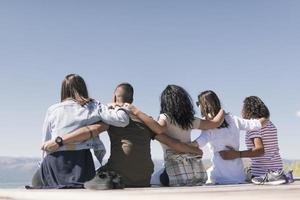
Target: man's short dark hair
(128, 92)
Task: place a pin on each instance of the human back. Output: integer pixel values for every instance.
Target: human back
(177, 112)
(76, 160)
(69, 115)
(175, 131)
(223, 171)
(270, 159)
(130, 146)
(131, 154)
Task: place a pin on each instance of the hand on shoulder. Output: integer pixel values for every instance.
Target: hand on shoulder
(113, 105)
(132, 109)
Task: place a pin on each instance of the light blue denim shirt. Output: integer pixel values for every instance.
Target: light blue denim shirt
(67, 116)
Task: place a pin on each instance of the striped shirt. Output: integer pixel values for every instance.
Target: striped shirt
(271, 159)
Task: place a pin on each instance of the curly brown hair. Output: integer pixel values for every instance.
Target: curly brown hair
(254, 108)
(177, 104)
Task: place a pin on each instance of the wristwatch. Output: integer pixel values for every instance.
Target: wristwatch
(59, 141)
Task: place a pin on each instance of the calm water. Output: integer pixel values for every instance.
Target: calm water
(13, 185)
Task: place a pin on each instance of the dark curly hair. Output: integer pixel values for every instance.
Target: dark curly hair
(210, 106)
(254, 108)
(177, 104)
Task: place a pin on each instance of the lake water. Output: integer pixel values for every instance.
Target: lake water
(13, 185)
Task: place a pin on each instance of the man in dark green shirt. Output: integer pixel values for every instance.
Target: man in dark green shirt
(130, 146)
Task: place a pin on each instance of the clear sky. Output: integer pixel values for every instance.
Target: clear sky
(236, 48)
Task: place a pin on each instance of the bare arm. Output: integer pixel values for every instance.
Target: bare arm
(257, 151)
(78, 135)
(84, 133)
(158, 127)
(213, 123)
(177, 145)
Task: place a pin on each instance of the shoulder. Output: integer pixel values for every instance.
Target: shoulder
(57, 106)
(269, 127)
(238, 120)
(164, 120)
(270, 124)
(56, 110)
(94, 102)
(254, 134)
(196, 122)
(96, 105)
(203, 138)
(230, 117)
(234, 117)
(163, 116)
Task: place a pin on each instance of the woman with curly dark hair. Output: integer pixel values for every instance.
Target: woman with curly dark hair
(176, 118)
(263, 149)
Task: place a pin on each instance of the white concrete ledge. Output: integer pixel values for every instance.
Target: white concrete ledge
(230, 192)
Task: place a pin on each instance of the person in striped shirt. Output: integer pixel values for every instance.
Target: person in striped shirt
(262, 145)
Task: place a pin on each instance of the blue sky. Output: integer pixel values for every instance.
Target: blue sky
(236, 48)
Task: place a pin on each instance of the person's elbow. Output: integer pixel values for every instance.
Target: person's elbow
(123, 122)
(177, 147)
(159, 131)
(213, 124)
(101, 127)
(171, 144)
(260, 152)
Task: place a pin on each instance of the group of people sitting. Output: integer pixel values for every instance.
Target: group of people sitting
(72, 127)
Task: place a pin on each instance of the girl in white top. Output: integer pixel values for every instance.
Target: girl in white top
(177, 117)
(262, 145)
(221, 138)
